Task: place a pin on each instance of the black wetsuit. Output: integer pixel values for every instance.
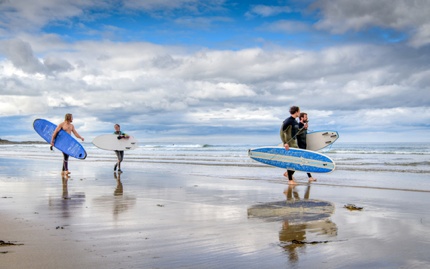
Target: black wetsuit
(290, 126)
(301, 139)
(119, 153)
(65, 162)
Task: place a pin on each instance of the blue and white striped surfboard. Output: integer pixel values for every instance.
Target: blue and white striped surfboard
(293, 159)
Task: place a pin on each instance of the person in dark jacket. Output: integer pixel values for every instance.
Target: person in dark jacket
(289, 131)
(301, 136)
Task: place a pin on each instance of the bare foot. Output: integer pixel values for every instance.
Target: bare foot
(286, 175)
(291, 182)
(312, 179)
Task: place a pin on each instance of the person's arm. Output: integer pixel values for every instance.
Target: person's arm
(287, 137)
(76, 134)
(123, 135)
(54, 135)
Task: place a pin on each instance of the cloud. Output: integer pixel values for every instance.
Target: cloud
(230, 90)
(421, 36)
(340, 16)
(267, 11)
(17, 16)
(21, 55)
(288, 26)
(163, 8)
(169, 89)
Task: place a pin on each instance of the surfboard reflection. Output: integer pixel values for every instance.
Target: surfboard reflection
(305, 222)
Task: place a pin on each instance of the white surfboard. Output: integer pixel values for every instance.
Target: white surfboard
(111, 142)
(320, 139)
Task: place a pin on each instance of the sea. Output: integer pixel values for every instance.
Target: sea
(380, 165)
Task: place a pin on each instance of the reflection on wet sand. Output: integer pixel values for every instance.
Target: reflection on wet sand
(119, 189)
(120, 202)
(65, 180)
(301, 219)
(294, 209)
(68, 202)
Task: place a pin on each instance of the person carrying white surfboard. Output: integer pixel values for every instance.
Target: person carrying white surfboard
(119, 153)
(68, 127)
(289, 130)
(301, 136)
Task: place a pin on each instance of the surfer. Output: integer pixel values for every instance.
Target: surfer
(119, 153)
(68, 127)
(289, 130)
(301, 136)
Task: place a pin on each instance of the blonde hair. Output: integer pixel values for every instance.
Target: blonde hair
(68, 117)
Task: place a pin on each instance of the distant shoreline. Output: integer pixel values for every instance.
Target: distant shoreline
(7, 142)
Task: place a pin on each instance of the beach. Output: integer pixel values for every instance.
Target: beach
(185, 210)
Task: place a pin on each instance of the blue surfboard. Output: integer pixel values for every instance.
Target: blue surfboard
(63, 142)
(293, 159)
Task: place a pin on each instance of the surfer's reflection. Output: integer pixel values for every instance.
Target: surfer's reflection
(65, 180)
(304, 221)
(292, 194)
(295, 232)
(118, 190)
(65, 211)
(68, 202)
(119, 201)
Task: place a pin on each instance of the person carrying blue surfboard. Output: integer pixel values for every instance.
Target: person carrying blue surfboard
(119, 153)
(289, 130)
(68, 127)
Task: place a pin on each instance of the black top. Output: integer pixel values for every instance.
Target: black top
(294, 125)
(301, 137)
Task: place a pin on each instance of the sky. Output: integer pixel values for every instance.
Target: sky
(216, 71)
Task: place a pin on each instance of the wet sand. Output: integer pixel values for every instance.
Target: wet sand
(196, 216)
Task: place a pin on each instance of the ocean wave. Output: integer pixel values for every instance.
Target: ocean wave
(175, 146)
(361, 152)
(411, 160)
